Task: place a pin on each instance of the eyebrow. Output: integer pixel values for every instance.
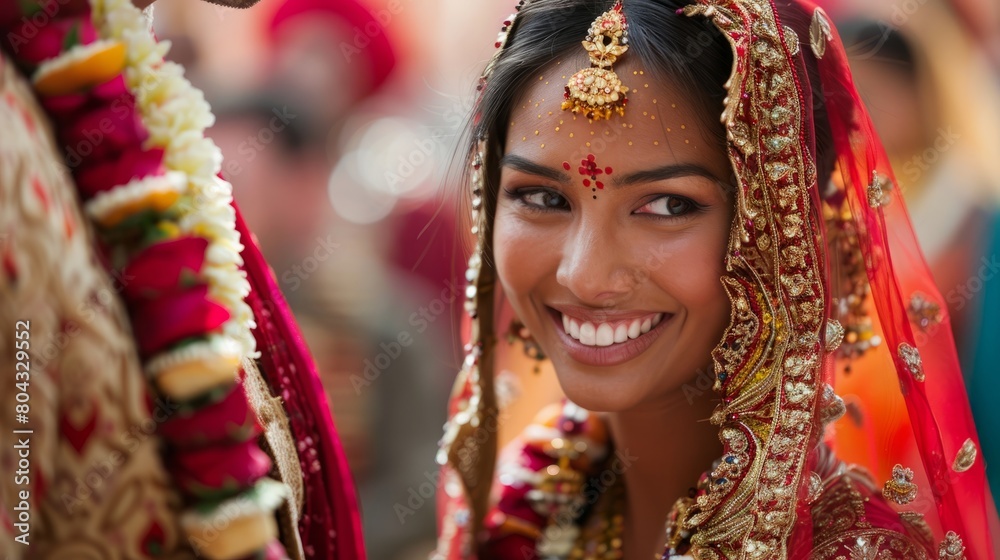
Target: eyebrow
(670, 171)
(527, 166)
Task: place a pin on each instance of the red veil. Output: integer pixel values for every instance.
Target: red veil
(818, 275)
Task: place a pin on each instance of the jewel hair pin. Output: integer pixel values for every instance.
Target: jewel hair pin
(597, 91)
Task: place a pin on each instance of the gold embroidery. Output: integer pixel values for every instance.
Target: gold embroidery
(819, 33)
(834, 334)
(952, 547)
(911, 357)
(900, 488)
(966, 456)
(923, 312)
(791, 41)
(841, 531)
(878, 194)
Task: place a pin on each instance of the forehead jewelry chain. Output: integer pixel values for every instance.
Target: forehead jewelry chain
(597, 92)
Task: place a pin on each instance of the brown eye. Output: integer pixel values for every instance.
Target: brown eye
(668, 205)
(547, 200)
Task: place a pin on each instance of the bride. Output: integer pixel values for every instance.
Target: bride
(647, 247)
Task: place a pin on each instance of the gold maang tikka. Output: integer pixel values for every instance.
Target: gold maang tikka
(597, 91)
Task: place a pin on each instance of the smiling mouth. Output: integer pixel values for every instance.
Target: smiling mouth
(607, 342)
(608, 333)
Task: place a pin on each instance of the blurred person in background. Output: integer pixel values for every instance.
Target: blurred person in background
(933, 97)
(375, 300)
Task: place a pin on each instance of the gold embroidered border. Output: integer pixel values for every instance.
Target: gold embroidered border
(770, 355)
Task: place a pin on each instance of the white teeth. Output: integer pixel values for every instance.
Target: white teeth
(621, 333)
(605, 335)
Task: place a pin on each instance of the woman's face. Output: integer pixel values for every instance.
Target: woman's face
(610, 237)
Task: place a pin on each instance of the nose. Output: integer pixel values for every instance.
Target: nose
(596, 266)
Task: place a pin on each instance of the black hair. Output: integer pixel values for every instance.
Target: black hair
(673, 48)
(879, 42)
(689, 53)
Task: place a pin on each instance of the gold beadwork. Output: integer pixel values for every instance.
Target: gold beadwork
(877, 195)
(923, 312)
(911, 357)
(952, 547)
(819, 33)
(791, 40)
(597, 91)
(966, 456)
(900, 488)
(834, 334)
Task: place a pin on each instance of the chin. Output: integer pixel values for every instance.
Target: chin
(609, 389)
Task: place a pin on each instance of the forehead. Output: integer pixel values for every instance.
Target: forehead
(660, 124)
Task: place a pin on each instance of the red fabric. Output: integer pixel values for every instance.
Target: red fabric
(330, 526)
(938, 408)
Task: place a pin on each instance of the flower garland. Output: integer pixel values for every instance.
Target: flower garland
(149, 183)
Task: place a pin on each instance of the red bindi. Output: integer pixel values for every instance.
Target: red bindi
(589, 169)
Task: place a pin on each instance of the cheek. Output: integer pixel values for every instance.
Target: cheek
(692, 270)
(513, 239)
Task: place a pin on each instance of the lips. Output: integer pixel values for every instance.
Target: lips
(606, 338)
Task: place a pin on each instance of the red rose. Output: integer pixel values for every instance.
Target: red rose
(24, 21)
(219, 469)
(55, 37)
(103, 131)
(101, 175)
(165, 320)
(164, 267)
(113, 93)
(227, 421)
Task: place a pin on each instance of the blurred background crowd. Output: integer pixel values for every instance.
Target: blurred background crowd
(340, 122)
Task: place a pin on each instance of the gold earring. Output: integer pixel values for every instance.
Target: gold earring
(518, 332)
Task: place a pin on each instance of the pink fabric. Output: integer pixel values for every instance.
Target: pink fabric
(330, 526)
(379, 53)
